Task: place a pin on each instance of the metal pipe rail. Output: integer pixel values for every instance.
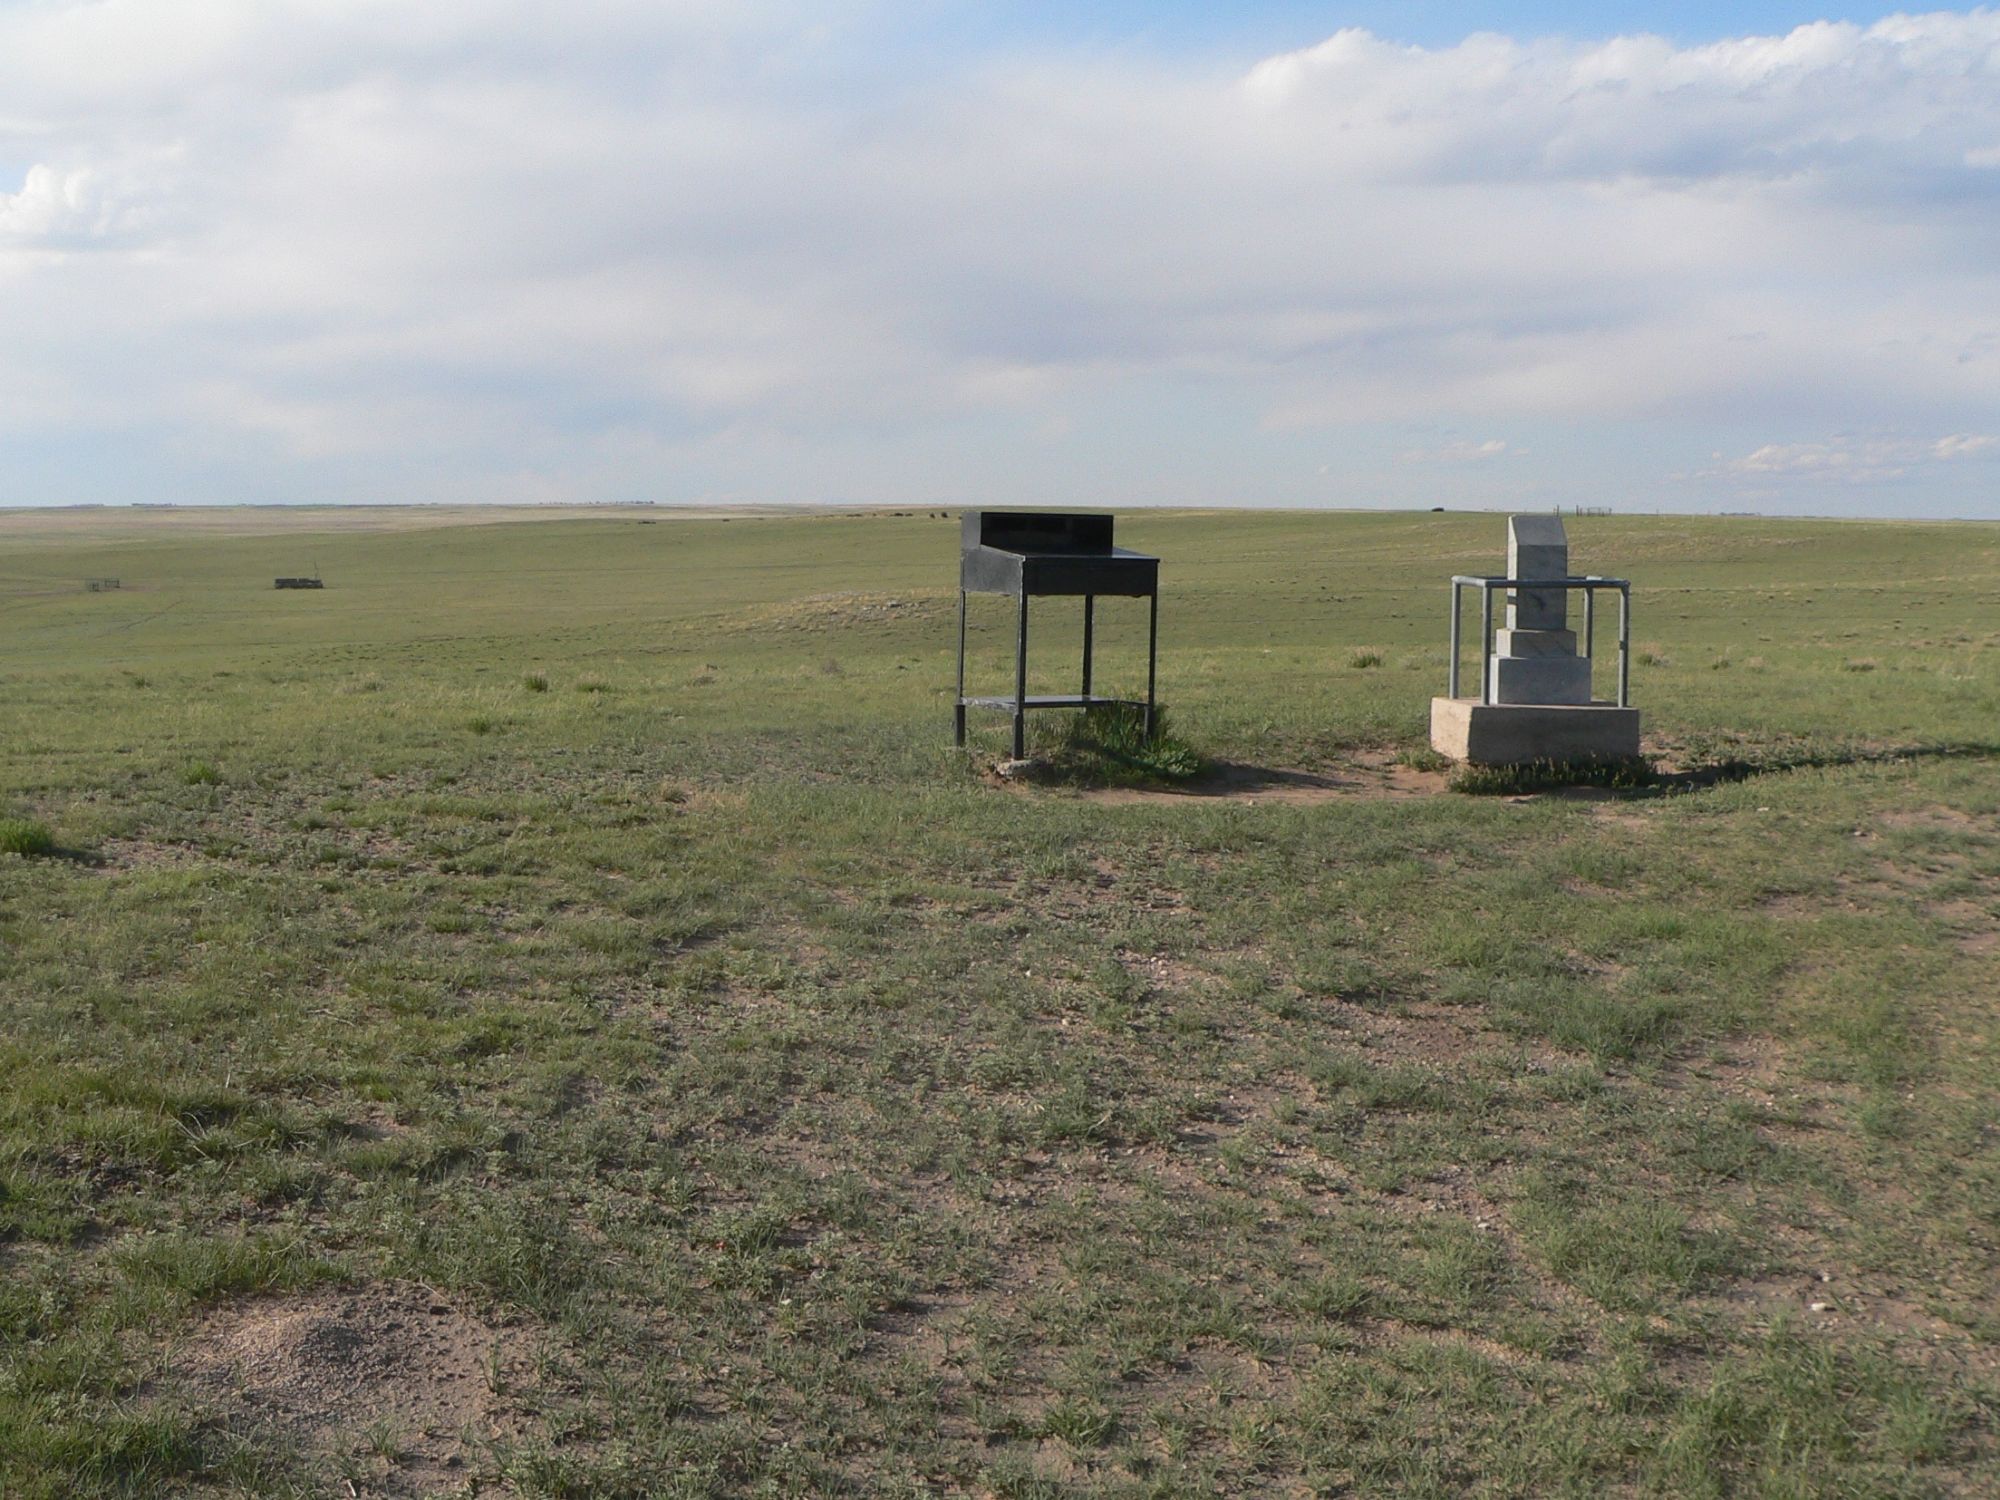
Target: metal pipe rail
(1021, 700)
(1589, 583)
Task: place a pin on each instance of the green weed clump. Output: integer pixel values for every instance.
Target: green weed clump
(536, 682)
(26, 837)
(1423, 758)
(1620, 774)
(200, 773)
(1109, 746)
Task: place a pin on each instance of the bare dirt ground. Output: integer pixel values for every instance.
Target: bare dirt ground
(401, 1388)
(1371, 774)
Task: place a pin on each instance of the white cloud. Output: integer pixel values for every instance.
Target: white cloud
(756, 246)
(1963, 445)
(74, 206)
(49, 204)
(1847, 460)
(1461, 451)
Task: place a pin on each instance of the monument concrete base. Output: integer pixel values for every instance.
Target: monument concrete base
(1499, 734)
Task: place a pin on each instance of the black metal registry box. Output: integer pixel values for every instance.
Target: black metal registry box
(1023, 554)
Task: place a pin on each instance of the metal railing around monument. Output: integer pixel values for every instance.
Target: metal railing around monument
(1590, 585)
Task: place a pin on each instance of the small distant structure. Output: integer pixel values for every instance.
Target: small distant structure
(298, 583)
(1535, 700)
(99, 585)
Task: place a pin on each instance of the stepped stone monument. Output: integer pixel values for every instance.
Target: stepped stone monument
(1535, 700)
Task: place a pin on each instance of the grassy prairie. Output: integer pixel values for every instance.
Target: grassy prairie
(579, 943)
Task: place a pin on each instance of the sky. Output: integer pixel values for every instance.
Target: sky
(1686, 257)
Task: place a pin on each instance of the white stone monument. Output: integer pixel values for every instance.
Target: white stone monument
(1534, 656)
(1535, 701)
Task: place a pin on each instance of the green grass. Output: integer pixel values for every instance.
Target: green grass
(26, 837)
(1632, 774)
(1110, 746)
(822, 1119)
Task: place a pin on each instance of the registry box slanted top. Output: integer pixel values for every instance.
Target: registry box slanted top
(1048, 552)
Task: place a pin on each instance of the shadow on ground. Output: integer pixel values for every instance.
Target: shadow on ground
(1725, 772)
